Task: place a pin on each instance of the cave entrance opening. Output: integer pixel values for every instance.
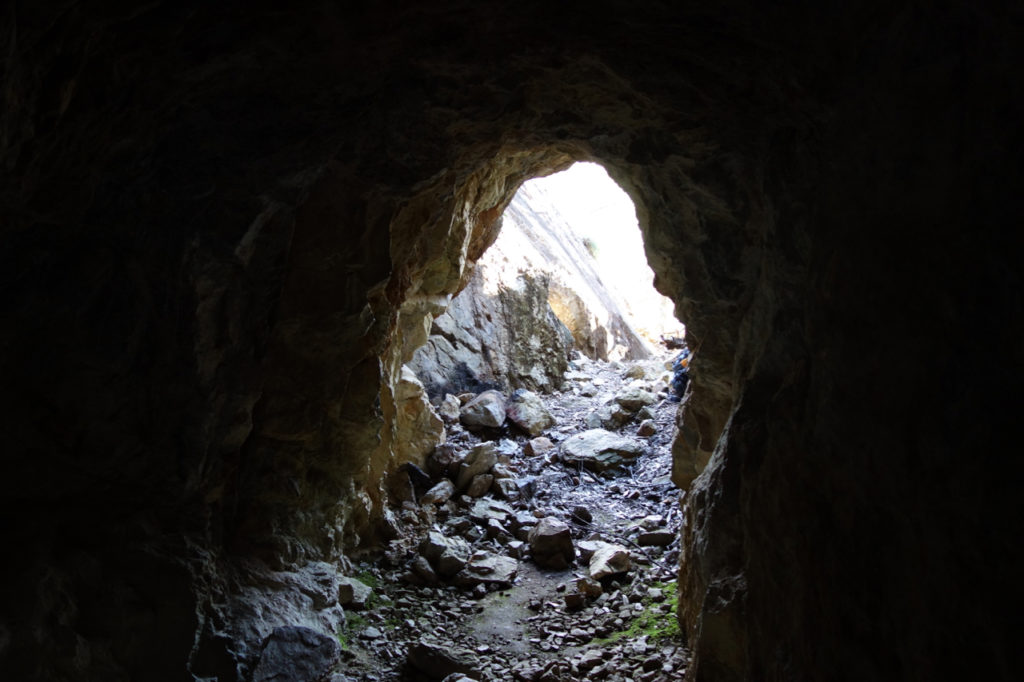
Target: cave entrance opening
(579, 229)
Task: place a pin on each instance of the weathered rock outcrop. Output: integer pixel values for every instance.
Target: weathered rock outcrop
(495, 334)
(225, 229)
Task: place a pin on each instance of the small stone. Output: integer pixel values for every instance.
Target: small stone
(371, 633)
(439, 494)
(656, 538)
(537, 446)
(647, 428)
(581, 514)
(479, 485)
(449, 408)
(478, 460)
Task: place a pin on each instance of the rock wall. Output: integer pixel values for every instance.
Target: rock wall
(226, 228)
(532, 297)
(495, 335)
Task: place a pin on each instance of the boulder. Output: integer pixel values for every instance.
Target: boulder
(599, 450)
(634, 397)
(353, 593)
(527, 410)
(296, 654)
(436, 662)
(609, 560)
(478, 461)
(551, 543)
(487, 568)
(485, 410)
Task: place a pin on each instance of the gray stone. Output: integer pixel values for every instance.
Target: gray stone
(526, 410)
(437, 662)
(487, 409)
(450, 408)
(487, 568)
(537, 446)
(296, 654)
(609, 560)
(480, 484)
(551, 544)
(353, 593)
(599, 450)
(486, 508)
(647, 428)
(656, 538)
(439, 494)
(479, 460)
(634, 398)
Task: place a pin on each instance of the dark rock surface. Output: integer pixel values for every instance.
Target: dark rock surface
(296, 654)
(225, 227)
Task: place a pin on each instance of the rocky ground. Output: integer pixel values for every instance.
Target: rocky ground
(540, 544)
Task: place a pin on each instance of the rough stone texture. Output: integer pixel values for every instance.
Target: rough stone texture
(599, 450)
(551, 543)
(353, 593)
(478, 460)
(487, 409)
(609, 560)
(296, 654)
(526, 410)
(225, 229)
(502, 335)
(417, 428)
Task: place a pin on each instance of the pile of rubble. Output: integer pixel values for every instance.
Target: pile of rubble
(539, 543)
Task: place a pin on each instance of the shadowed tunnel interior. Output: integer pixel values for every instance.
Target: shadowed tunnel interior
(225, 228)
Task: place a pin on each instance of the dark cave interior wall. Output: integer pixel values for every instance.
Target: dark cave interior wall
(223, 229)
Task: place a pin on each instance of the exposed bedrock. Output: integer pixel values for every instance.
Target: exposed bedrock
(226, 228)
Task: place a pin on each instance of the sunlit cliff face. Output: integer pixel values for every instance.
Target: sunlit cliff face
(223, 229)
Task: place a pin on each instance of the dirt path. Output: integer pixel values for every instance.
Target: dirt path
(530, 629)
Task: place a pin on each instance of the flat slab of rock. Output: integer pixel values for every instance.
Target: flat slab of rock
(600, 450)
(487, 409)
(485, 509)
(487, 568)
(551, 543)
(296, 654)
(527, 410)
(632, 399)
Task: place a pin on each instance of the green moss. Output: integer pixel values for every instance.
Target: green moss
(367, 578)
(652, 622)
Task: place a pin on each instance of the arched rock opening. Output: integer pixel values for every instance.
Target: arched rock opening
(224, 228)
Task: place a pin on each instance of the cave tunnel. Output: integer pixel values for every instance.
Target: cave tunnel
(225, 227)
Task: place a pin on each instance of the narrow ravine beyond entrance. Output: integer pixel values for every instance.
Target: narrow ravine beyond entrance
(532, 558)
